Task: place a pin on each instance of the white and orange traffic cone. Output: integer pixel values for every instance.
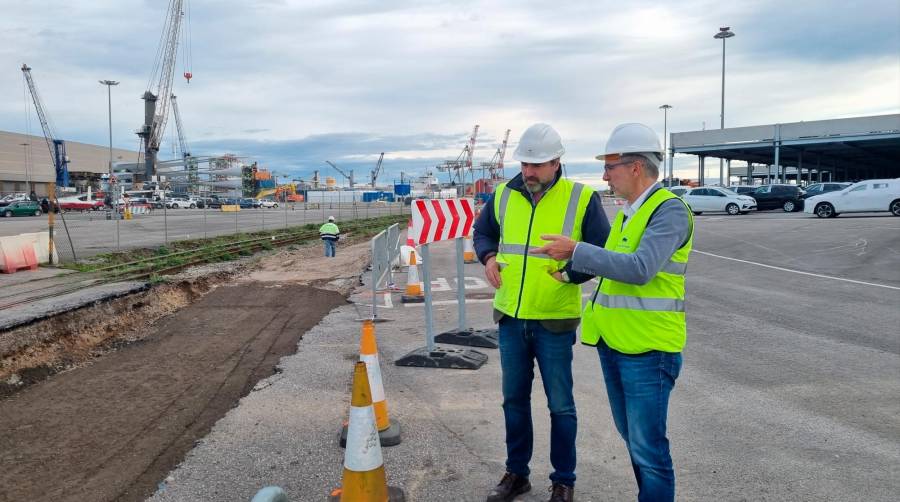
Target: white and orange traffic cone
(469, 251)
(388, 432)
(364, 479)
(414, 292)
(409, 239)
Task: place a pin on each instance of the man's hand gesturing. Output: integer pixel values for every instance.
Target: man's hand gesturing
(492, 272)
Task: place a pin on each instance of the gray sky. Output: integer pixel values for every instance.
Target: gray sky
(292, 83)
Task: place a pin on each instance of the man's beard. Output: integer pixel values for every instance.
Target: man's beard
(534, 186)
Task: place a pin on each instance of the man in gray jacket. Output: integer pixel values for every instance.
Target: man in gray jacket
(636, 316)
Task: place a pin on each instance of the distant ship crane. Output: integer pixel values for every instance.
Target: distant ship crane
(338, 169)
(57, 146)
(377, 171)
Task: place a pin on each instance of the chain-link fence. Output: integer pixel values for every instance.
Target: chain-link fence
(79, 235)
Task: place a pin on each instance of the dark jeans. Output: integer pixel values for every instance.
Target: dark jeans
(521, 342)
(330, 248)
(638, 387)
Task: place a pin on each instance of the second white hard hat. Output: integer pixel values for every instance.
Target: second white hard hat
(631, 138)
(539, 143)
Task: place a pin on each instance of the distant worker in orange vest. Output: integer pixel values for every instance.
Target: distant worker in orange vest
(330, 233)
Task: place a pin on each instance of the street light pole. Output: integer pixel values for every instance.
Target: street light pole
(724, 32)
(109, 180)
(666, 170)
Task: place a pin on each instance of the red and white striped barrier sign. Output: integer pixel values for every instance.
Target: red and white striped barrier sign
(441, 219)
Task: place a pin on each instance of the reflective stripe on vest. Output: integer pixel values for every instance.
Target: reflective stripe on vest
(639, 303)
(528, 290)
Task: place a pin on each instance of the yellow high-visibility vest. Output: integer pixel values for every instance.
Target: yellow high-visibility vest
(528, 291)
(635, 319)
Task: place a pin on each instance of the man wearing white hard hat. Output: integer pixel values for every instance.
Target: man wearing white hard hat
(635, 318)
(330, 233)
(538, 302)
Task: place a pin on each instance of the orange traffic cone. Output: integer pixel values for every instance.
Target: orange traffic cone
(469, 251)
(414, 292)
(363, 479)
(409, 239)
(388, 432)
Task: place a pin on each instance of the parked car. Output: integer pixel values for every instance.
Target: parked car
(80, 203)
(8, 199)
(863, 197)
(267, 203)
(702, 199)
(22, 208)
(787, 197)
(742, 189)
(246, 203)
(181, 203)
(820, 188)
(215, 203)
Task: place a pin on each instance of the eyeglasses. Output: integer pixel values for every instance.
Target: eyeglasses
(610, 167)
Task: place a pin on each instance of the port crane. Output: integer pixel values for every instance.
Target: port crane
(190, 163)
(494, 167)
(377, 171)
(156, 104)
(338, 169)
(457, 168)
(57, 146)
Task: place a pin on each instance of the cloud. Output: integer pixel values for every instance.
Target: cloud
(292, 83)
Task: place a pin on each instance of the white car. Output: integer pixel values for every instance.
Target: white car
(703, 199)
(181, 204)
(267, 203)
(862, 197)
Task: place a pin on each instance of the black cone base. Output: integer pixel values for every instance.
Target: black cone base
(444, 357)
(485, 338)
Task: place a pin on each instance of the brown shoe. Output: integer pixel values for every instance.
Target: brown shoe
(510, 486)
(561, 493)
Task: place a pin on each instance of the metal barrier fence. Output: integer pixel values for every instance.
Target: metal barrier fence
(385, 251)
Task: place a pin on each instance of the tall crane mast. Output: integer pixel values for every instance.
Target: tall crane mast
(156, 105)
(182, 144)
(471, 147)
(338, 169)
(57, 146)
(497, 174)
(377, 171)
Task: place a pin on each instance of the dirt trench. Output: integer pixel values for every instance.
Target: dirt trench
(144, 377)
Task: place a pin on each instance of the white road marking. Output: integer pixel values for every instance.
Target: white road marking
(822, 276)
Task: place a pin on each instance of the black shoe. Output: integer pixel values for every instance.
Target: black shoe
(561, 493)
(510, 486)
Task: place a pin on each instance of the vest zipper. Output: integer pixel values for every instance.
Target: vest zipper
(525, 258)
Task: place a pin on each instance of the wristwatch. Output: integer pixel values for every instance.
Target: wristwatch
(564, 275)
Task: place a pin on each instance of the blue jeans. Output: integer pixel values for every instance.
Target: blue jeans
(521, 342)
(330, 248)
(638, 387)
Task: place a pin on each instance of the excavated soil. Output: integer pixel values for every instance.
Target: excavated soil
(147, 376)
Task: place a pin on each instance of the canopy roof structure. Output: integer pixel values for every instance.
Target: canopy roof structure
(841, 149)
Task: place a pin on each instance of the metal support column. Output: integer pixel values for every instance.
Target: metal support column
(702, 177)
(671, 158)
(799, 167)
(778, 171)
(727, 173)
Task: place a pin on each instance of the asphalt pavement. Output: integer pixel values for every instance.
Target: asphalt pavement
(790, 388)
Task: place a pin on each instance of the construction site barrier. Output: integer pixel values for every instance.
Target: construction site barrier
(437, 220)
(230, 208)
(25, 251)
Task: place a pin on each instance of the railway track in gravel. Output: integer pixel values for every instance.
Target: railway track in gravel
(161, 265)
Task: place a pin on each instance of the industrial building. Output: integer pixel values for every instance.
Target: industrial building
(26, 164)
(847, 149)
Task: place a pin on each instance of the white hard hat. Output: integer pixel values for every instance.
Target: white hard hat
(539, 143)
(632, 138)
(331, 218)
